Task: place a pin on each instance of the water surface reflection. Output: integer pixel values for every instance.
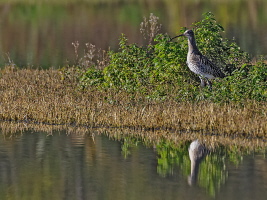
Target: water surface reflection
(42, 34)
(197, 151)
(35, 165)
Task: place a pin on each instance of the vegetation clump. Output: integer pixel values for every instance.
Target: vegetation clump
(158, 69)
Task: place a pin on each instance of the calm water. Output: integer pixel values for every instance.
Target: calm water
(42, 33)
(40, 166)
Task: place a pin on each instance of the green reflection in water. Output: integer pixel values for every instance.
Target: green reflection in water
(172, 158)
(128, 143)
(212, 170)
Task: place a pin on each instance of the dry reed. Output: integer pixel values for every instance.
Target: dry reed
(43, 96)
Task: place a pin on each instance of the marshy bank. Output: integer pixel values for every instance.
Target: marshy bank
(145, 87)
(118, 124)
(43, 96)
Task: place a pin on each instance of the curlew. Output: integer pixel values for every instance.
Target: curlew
(198, 63)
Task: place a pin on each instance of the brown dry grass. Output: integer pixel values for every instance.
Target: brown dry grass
(43, 96)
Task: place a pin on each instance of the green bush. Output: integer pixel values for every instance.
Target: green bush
(224, 53)
(247, 82)
(158, 70)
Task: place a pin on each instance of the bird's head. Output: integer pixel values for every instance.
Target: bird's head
(187, 33)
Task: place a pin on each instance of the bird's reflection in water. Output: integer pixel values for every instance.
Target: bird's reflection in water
(197, 151)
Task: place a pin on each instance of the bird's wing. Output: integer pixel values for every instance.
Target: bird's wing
(208, 66)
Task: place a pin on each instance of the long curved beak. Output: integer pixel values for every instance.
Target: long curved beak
(176, 37)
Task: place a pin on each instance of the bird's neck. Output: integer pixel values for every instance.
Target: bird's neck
(192, 46)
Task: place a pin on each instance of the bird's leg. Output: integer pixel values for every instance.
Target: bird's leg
(209, 84)
(203, 82)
